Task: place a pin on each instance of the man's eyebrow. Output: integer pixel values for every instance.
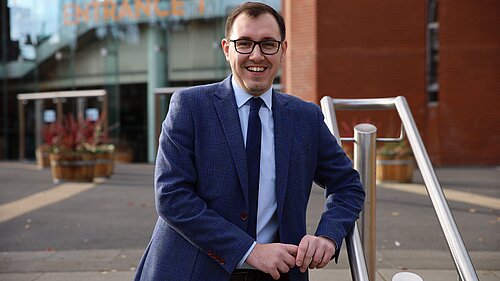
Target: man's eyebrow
(270, 38)
(263, 39)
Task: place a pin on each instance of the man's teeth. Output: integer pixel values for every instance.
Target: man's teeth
(256, 69)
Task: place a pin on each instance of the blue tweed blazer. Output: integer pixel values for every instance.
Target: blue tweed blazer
(201, 183)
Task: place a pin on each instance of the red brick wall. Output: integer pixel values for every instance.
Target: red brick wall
(468, 114)
(360, 49)
(369, 50)
(300, 67)
(363, 50)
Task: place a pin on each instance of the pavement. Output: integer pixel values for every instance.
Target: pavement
(98, 231)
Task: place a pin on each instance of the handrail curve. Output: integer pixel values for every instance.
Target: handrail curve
(448, 225)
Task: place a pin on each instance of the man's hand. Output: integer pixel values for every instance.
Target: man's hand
(314, 252)
(274, 258)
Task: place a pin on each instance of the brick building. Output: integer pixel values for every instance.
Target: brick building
(363, 49)
(442, 55)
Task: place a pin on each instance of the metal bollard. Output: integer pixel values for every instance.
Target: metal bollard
(365, 137)
(406, 276)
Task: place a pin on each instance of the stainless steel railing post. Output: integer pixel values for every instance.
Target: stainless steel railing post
(456, 245)
(458, 251)
(365, 138)
(357, 262)
(355, 253)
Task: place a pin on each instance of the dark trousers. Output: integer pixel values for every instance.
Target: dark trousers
(254, 275)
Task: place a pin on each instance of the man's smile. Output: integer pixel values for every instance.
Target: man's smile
(256, 68)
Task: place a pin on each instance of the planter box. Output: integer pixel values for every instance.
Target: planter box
(395, 170)
(42, 156)
(72, 166)
(104, 164)
(123, 155)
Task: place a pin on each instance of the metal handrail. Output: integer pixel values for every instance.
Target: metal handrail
(357, 262)
(456, 246)
(355, 253)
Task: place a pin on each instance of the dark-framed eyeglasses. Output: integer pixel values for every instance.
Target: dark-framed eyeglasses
(246, 46)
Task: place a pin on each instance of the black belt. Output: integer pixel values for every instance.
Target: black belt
(254, 275)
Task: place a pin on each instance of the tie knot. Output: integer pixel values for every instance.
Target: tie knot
(255, 103)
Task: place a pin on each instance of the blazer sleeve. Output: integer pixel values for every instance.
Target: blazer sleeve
(345, 194)
(175, 191)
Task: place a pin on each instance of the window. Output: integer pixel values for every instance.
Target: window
(432, 52)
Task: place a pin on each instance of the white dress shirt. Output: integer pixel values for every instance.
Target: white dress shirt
(267, 219)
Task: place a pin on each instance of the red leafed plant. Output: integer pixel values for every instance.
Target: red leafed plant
(72, 134)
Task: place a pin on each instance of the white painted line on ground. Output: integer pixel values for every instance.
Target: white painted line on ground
(453, 195)
(41, 199)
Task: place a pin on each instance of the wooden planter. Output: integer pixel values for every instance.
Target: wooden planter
(395, 170)
(123, 155)
(72, 166)
(42, 156)
(104, 164)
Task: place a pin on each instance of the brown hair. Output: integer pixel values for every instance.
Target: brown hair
(255, 9)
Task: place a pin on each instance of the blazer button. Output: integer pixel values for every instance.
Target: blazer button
(244, 216)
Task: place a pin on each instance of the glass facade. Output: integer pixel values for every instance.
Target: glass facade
(127, 47)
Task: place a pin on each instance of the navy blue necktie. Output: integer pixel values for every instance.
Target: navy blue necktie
(254, 133)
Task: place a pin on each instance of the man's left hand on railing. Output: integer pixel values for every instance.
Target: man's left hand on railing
(314, 252)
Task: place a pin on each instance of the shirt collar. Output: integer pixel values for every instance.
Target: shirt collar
(242, 97)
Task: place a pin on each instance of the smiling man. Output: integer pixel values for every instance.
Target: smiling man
(234, 170)
(254, 70)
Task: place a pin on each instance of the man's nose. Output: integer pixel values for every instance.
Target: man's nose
(256, 54)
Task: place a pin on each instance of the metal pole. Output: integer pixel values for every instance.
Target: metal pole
(105, 112)
(459, 253)
(455, 243)
(365, 138)
(81, 103)
(39, 106)
(59, 109)
(5, 78)
(157, 120)
(22, 127)
(357, 262)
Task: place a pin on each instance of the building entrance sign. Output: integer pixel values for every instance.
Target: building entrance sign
(99, 11)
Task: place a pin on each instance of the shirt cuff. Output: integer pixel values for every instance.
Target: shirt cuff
(242, 261)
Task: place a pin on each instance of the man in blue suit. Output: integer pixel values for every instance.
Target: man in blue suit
(234, 170)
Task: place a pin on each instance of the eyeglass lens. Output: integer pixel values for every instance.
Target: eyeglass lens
(268, 47)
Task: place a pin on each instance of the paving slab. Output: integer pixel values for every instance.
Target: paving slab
(437, 275)
(315, 275)
(20, 276)
(85, 276)
(100, 234)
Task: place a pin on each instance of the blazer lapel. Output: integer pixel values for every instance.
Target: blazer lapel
(283, 126)
(227, 113)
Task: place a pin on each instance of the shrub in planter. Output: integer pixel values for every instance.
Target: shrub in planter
(71, 156)
(395, 162)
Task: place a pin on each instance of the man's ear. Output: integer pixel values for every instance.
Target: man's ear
(284, 47)
(225, 47)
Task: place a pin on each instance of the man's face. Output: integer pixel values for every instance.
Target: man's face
(254, 72)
